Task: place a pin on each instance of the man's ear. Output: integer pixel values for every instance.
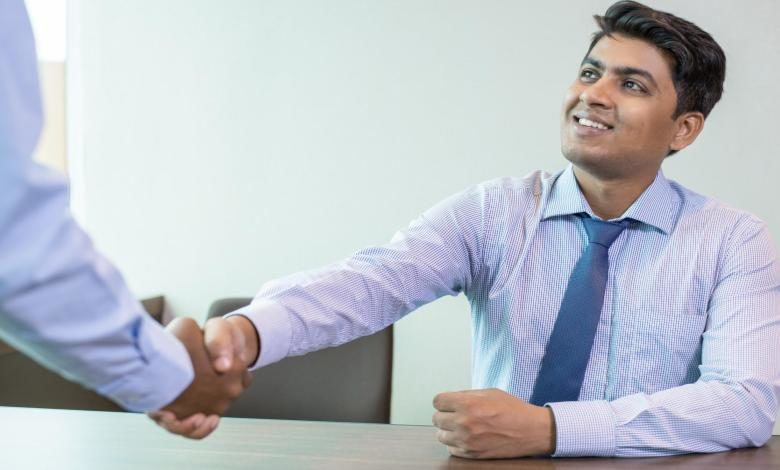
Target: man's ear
(689, 126)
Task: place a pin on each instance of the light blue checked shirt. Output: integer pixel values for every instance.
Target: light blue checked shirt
(686, 356)
(61, 302)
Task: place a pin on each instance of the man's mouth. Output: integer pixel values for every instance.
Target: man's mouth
(591, 123)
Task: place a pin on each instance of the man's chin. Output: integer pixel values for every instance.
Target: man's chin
(598, 164)
(585, 157)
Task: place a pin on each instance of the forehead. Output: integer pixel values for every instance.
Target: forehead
(623, 51)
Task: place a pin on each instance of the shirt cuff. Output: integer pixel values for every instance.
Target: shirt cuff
(583, 429)
(166, 371)
(272, 323)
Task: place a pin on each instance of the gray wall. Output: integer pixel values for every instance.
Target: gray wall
(226, 143)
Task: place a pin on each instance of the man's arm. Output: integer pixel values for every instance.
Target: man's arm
(61, 302)
(68, 308)
(438, 254)
(732, 405)
(734, 402)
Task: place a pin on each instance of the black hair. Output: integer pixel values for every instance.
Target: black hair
(698, 63)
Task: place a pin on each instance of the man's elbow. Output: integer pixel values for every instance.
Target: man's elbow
(758, 417)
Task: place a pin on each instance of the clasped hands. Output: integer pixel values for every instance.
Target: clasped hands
(220, 355)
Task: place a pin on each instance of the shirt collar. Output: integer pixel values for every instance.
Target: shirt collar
(656, 206)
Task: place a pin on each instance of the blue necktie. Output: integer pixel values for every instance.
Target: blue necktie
(568, 350)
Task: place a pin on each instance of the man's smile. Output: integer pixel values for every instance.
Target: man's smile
(587, 124)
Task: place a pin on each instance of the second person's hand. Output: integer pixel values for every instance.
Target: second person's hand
(230, 345)
(219, 358)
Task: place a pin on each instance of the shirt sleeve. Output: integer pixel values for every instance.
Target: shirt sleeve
(61, 302)
(732, 405)
(436, 255)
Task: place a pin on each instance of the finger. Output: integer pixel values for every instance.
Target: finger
(207, 426)
(219, 340)
(444, 420)
(449, 401)
(446, 437)
(186, 426)
(161, 416)
(463, 453)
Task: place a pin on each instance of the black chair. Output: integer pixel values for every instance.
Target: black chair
(348, 383)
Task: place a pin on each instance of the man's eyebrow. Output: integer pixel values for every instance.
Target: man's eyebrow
(621, 70)
(594, 62)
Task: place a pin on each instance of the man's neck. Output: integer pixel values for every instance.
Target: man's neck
(610, 198)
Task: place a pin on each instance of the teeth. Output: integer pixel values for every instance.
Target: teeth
(589, 123)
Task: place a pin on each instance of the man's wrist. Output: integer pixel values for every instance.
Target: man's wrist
(551, 431)
(251, 337)
(541, 441)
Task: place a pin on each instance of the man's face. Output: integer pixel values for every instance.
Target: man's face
(616, 120)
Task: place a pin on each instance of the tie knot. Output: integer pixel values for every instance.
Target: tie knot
(601, 232)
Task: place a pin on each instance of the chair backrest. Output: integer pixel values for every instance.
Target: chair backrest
(350, 382)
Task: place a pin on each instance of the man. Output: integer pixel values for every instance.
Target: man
(615, 312)
(63, 304)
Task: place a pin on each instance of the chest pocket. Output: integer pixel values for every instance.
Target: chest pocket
(665, 348)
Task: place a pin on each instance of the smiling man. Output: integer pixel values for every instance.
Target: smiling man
(615, 312)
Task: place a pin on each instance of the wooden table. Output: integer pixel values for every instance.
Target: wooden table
(59, 439)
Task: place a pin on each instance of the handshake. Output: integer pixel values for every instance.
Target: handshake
(220, 355)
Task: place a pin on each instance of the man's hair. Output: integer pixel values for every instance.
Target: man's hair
(698, 62)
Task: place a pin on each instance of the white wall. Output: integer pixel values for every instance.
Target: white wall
(49, 26)
(48, 22)
(227, 143)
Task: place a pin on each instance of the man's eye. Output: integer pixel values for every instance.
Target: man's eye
(588, 74)
(633, 86)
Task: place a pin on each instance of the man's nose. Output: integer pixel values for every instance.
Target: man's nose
(597, 94)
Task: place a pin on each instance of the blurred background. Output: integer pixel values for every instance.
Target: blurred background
(215, 145)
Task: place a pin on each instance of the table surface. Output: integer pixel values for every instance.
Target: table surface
(65, 439)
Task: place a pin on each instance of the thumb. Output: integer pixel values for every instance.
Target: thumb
(219, 343)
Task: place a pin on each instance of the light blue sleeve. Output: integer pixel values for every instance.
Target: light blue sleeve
(735, 400)
(438, 254)
(61, 302)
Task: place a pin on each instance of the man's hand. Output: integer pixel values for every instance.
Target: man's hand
(220, 356)
(491, 424)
